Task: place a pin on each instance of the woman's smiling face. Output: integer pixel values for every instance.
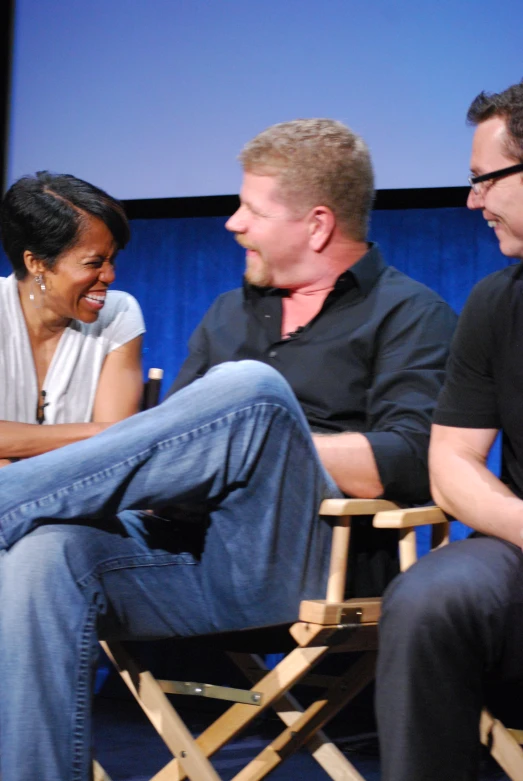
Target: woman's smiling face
(77, 284)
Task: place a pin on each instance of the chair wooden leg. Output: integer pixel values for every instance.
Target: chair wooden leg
(306, 725)
(162, 715)
(99, 773)
(276, 683)
(328, 756)
(517, 734)
(502, 745)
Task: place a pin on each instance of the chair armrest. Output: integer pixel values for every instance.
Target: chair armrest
(405, 521)
(342, 510)
(355, 506)
(413, 516)
(387, 515)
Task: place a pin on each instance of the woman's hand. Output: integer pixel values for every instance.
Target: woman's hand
(5, 462)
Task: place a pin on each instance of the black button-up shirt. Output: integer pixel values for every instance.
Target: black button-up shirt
(371, 361)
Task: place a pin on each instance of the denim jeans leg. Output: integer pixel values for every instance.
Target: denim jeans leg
(235, 442)
(61, 587)
(198, 446)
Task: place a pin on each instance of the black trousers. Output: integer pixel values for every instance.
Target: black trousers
(450, 625)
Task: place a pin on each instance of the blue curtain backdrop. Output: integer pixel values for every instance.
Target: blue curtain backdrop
(176, 268)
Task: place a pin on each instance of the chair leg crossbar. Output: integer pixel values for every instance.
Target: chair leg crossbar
(228, 693)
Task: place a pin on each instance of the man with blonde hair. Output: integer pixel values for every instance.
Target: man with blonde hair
(317, 378)
(321, 306)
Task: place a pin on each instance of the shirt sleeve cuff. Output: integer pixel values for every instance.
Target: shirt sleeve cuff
(402, 467)
(466, 419)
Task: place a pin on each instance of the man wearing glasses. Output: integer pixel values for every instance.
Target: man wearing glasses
(452, 626)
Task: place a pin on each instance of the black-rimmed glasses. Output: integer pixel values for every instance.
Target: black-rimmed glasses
(476, 181)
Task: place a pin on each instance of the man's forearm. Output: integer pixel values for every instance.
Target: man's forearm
(349, 459)
(465, 488)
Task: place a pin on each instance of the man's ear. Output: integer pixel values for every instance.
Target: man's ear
(321, 226)
(33, 264)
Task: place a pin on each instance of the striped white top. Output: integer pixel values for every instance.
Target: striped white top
(72, 377)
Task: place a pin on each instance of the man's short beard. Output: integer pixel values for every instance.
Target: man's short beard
(256, 270)
(257, 273)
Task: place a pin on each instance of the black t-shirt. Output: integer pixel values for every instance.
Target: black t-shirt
(484, 381)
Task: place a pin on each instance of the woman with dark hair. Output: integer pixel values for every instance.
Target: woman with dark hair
(69, 348)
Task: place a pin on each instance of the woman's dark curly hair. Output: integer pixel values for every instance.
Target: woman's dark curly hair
(46, 213)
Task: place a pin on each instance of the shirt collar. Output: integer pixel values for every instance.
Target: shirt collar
(367, 270)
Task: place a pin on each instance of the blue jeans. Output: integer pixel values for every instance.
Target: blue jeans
(79, 562)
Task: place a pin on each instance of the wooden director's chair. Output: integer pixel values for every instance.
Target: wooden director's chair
(332, 625)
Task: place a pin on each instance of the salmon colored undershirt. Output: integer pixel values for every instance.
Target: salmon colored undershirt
(300, 307)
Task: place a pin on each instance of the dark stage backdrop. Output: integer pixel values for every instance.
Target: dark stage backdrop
(176, 267)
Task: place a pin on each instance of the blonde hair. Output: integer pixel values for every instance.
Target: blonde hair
(317, 162)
